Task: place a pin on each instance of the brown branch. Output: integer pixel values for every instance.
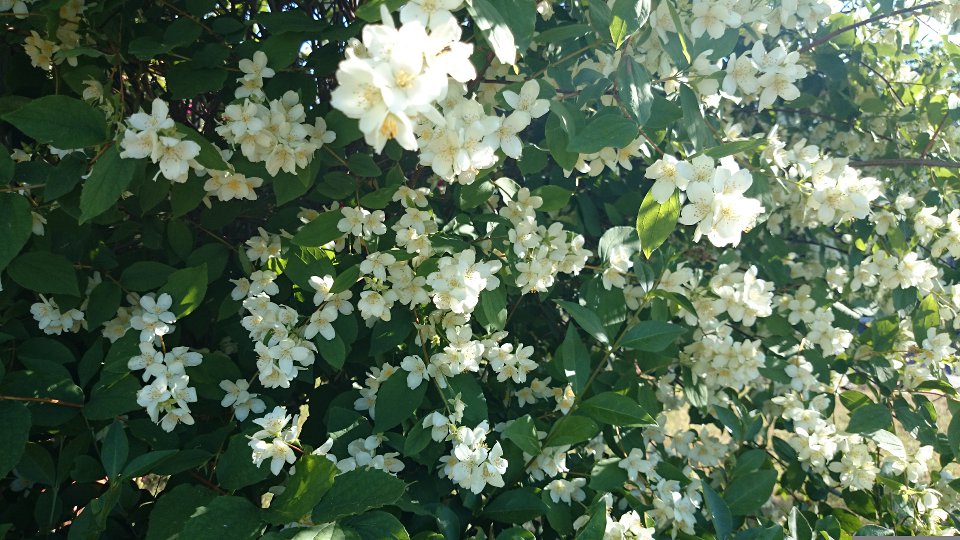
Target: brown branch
(933, 139)
(845, 29)
(49, 401)
(885, 81)
(918, 162)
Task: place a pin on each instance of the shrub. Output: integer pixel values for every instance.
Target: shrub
(504, 269)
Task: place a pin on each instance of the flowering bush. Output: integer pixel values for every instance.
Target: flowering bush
(479, 269)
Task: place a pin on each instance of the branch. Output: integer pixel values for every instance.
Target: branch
(899, 162)
(50, 401)
(845, 29)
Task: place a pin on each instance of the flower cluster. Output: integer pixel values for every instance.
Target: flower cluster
(155, 136)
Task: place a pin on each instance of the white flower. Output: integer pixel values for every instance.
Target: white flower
(528, 100)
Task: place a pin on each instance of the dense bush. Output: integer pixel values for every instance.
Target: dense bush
(494, 269)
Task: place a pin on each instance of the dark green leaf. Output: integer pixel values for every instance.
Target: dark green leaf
(398, 402)
(115, 450)
(224, 517)
(15, 419)
(869, 418)
(586, 319)
(187, 287)
(321, 231)
(719, 512)
(523, 433)
(746, 494)
(651, 336)
(357, 491)
(633, 87)
(616, 410)
(44, 272)
(575, 360)
(572, 429)
(515, 506)
(61, 121)
(174, 508)
(16, 223)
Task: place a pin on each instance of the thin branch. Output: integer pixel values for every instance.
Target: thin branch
(933, 139)
(845, 29)
(918, 162)
(885, 81)
(49, 401)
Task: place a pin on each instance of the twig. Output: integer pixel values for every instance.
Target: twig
(845, 29)
(885, 81)
(919, 162)
(49, 401)
(933, 139)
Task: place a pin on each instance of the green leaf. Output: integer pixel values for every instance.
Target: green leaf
(321, 231)
(492, 314)
(925, 316)
(735, 147)
(521, 18)
(575, 360)
(398, 400)
(697, 128)
(554, 197)
(515, 506)
(570, 430)
(357, 491)
(370, 11)
(633, 87)
(174, 508)
(115, 450)
(209, 156)
(854, 399)
(557, 133)
(143, 276)
(495, 29)
(15, 419)
(634, 12)
(562, 32)
(187, 287)
(145, 463)
(16, 223)
(746, 494)
(376, 525)
(311, 481)
(652, 336)
(104, 300)
(345, 279)
(719, 512)
(112, 397)
(869, 418)
(45, 272)
(387, 335)
(188, 79)
(64, 122)
(655, 221)
(235, 468)
(523, 433)
(471, 393)
(364, 165)
(6, 167)
(616, 410)
(608, 476)
(618, 31)
(224, 517)
(586, 319)
(606, 129)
